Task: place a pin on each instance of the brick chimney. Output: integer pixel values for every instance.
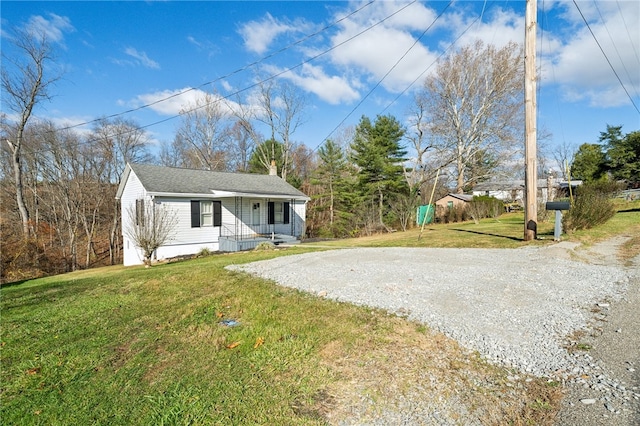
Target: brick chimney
(273, 170)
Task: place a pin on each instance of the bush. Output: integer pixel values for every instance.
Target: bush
(593, 205)
(484, 206)
(265, 245)
(457, 213)
(204, 252)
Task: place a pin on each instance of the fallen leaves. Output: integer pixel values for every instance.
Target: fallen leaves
(233, 345)
(259, 342)
(32, 371)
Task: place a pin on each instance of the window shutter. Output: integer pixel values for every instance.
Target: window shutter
(195, 214)
(271, 213)
(285, 213)
(140, 212)
(217, 213)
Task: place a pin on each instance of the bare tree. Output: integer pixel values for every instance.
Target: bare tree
(150, 226)
(422, 168)
(563, 155)
(281, 109)
(116, 143)
(474, 101)
(25, 85)
(205, 130)
(242, 146)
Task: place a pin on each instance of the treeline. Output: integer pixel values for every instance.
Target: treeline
(616, 157)
(69, 182)
(58, 183)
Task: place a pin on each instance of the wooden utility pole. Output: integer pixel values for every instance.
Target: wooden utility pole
(530, 151)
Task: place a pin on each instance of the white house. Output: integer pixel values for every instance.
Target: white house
(218, 211)
(513, 191)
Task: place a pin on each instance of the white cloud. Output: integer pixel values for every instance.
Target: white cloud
(54, 26)
(258, 35)
(141, 58)
(578, 64)
(173, 102)
(375, 51)
(203, 45)
(498, 27)
(331, 89)
(227, 86)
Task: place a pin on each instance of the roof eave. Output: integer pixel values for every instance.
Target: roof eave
(227, 194)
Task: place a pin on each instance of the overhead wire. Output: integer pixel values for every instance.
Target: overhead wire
(256, 84)
(230, 74)
(379, 82)
(635, 51)
(604, 24)
(453, 43)
(606, 57)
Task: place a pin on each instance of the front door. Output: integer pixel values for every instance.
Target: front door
(255, 213)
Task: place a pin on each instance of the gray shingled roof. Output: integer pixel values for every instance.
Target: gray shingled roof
(160, 179)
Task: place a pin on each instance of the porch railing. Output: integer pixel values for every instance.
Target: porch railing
(246, 232)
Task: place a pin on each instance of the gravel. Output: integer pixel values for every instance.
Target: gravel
(514, 306)
(517, 307)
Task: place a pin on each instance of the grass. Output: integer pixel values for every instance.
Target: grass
(504, 232)
(129, 346)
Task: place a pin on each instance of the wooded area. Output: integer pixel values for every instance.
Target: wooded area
(58, 183)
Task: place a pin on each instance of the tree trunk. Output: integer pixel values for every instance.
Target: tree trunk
(17, 174)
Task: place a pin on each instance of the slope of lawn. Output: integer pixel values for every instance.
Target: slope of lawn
(130, 346)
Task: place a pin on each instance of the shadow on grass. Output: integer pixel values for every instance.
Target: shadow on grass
(629, 211)
(487, 233)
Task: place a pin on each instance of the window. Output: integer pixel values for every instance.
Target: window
(206, 213)
(450, 204)
(278, 212)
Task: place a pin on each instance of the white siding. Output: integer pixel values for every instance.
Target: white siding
(187, 240)
(133, 191)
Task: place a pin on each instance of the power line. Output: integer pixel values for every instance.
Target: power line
(606, 57)
(383, 77)
(271, 77)
(604, 23)
(230, 74)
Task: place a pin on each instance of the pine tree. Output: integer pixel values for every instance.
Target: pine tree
(377, 152)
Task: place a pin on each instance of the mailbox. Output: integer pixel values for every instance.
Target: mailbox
(557, 205)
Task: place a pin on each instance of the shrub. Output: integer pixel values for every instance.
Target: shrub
(593, 205)
(204, 252)
(265, 245)
(485, 206)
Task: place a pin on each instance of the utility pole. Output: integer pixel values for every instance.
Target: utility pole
(530, 106)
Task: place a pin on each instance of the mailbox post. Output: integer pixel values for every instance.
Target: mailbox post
(558, 206)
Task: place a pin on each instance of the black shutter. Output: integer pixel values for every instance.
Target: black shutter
(140, 212)
(195, 214)
(285, 209)
(271, 213)
(217, 213)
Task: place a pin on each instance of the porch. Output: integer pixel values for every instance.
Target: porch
(233, 243)
(254, 220)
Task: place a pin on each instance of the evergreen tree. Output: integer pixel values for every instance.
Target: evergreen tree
(377, 153)
(588, 162)
(329, 173)
(623, 154)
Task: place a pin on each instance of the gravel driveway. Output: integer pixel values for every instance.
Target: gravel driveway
(515, 306)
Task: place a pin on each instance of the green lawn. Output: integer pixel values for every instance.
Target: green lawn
(130, 346)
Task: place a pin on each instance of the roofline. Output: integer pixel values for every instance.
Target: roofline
(221, 194)
(123, 181)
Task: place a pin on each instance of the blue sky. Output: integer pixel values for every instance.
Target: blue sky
(117, 56)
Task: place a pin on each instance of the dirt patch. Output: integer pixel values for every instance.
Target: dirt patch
(419, 372)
